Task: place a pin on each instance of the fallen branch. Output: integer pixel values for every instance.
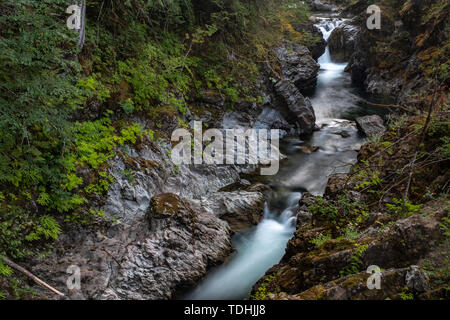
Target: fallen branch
(30, 275)
(394, 106)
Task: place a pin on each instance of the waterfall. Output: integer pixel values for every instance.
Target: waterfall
(257, 250)
(334, 96)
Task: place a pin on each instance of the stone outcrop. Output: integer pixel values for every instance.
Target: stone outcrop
(241, 209)
(295, 107)
(354, 287)
(324, 6)
(272, 119)
(318, 49)
(342, 42)
(310, 272)
(371, 125)
(161, 239)
(298, 66)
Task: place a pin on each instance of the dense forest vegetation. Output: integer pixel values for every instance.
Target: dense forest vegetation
(64, 110)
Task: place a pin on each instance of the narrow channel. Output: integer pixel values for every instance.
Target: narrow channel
(336, 103)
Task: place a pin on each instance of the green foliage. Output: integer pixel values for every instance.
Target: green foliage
(47, 227)
(396, 208)
(406, 295)
(38, 92)
(262, 292)
(351, 233)
(321, 239)
(160, 67)
(4, 269)
(340, 212)
(445, 148)
(445, 226)
(355, 261)
(55, 140)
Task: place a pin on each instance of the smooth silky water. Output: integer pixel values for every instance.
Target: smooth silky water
(335, 103)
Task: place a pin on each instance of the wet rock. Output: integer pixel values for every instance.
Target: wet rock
(342, 42)
(352, 287)
(169, 248)
(304, 217)
(160, 241)
(344, 134)
(371, 125)
(336, 183)
(323, 5)
(382, 84)
(295, 107)
(236, 120)
(258, 187)
(309, 149)
(272, 119)
(318, 49)
(417, 280)
(305, 266)
(241, 209)
(298, 66)
(360, 61)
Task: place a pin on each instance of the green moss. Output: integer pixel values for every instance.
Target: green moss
(262, 292)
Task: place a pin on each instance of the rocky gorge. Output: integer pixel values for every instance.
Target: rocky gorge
(172, 224)
(336, 207)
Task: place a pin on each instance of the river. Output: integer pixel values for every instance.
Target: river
(336, 103)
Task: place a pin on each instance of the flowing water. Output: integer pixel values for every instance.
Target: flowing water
(335, 103)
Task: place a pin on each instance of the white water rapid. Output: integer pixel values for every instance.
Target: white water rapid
(257, 250)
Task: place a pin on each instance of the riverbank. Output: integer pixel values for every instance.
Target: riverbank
(390, 212)
(89, 184)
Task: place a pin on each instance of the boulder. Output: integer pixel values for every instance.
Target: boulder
(323, 5)
(298, 66)
(336, 183)
(417, 280)
(318, 49)
(294, 107)
(305, 266)
(352, 287)
(241, 209)
(371, 125)
(381, 84)
(342, 42)
(272, 119)
(309, 149)
(360, 60)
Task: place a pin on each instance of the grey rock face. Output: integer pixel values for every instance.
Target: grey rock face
(379, 84)
(342, 42)
(241, 209)
(371, 125)
(295, 107)
(359, 61)
(272, 119)
(153, 249)
(298, 66)
(417, 280)
(322, 5)
(319, 48)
